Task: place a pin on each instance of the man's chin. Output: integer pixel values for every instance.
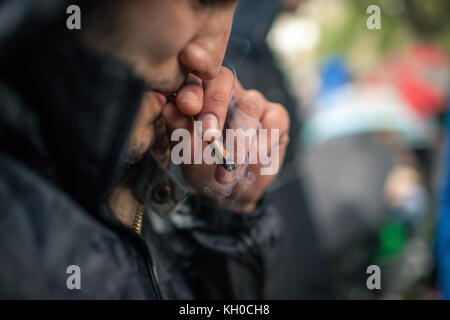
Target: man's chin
(140, 144)
(136, 151)
(132, 159)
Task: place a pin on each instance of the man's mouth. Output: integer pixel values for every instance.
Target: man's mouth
(163, 96)
(162, 99)
(169, 93)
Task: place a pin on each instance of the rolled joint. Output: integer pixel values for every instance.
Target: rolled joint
(226, 159)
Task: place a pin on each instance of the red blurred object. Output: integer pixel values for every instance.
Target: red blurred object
(420, 74)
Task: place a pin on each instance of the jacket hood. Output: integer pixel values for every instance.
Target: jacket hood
(22, 20)
(65, 111)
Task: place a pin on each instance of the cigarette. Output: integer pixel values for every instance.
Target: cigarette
(222, 154)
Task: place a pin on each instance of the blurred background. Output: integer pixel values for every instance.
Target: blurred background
(365, 169)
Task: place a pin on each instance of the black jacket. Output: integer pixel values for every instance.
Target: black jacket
(65, 117)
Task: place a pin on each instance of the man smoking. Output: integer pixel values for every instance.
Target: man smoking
(85, 116)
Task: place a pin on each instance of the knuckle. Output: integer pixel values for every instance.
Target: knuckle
(250, 107)
(280, 116)
(284, 115)
(217, 99)
(252, 102)
(220, 113)
(284, 140)
(226, 73)
(255, 95)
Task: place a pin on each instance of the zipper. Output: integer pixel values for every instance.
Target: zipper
(137, 227)
(138, 218)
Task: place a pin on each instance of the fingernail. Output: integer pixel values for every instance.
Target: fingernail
(210, 122)
(188, 97)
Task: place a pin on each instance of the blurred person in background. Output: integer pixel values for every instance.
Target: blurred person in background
(84, 123)
(371, 138)
(380, 132)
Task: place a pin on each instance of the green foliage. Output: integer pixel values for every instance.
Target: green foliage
(402, 22)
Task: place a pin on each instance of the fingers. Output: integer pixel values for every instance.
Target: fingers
(254, 112)
(253, 104)
(217, 96)
(277, 117)
(174, 118)
(210, 100)
(190, 97)
(224, 177)
(263, 114)
(276, 121)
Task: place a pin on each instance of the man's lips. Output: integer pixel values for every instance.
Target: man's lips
(162, 99)
(169, 94)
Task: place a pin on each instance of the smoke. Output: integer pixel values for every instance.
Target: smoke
(241, 141)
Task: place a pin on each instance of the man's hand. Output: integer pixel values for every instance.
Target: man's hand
(208, 102)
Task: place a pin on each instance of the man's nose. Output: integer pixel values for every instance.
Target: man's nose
(204, 58)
